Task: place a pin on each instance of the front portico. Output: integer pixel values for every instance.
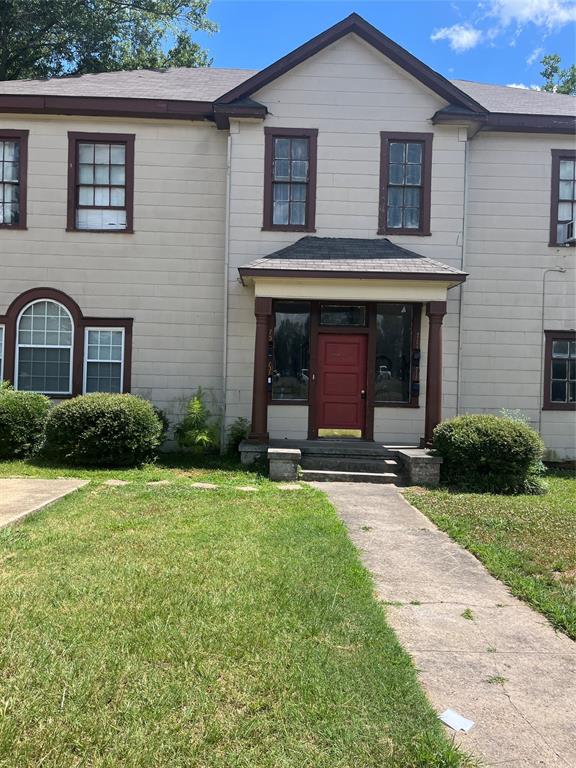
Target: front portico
(339, 329)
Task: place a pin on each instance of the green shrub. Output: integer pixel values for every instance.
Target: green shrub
(198, 430)
(102, 430)
(22, 422)
(237, 431)
(487, 453)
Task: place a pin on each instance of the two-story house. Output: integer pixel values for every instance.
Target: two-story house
(343, 244)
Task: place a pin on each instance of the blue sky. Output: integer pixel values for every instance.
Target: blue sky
(492, 41)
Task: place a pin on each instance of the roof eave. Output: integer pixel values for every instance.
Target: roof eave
(359, 26)
(247, 274)
(508, 121)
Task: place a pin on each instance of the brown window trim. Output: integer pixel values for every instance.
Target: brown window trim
(557, 155)
(296, 133)
(74, 138)
(22, 137)
(385, 138)
(10, 319)
(548, 404)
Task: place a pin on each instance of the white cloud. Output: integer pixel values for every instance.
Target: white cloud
(461, 37)
(534, 56)
(524, 87)
(550, 14)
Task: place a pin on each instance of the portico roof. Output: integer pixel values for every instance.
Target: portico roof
(353, 258)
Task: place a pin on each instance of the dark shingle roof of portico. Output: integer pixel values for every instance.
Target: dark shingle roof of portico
(352, 258)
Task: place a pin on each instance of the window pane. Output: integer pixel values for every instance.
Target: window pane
(291, 350)
(102, 153)
(44, 370)
(397, 152)
(299, 149)
(86, 153)
(282, 169)
(560, 348)
(11, 151)
(102, 174)
(572, 392)
(394, 217)
(117, 174)
(300, 170)
(396, 174)
(340, 314)
(567, 169)
(10, 192)
(411, 218)
(86, 174)
(38, 316)
(412, 198)
(298, 192)
(103, 377)
(280, 213)
(118, 154)
(413, 174)
(414, 153)
(559, 369)
(393, 352)
(101, 218)
(86, 195)
(564, 211)
(558, 393)
(117, 196)
(298, 214)
(566, 190)
(281, 192)
(101, 196)
(282, 148)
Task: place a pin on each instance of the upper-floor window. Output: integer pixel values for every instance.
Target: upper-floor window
(13, 170)
(100, 182)
(290, 179)
(560, 371)
(563, 199)
(405, 181)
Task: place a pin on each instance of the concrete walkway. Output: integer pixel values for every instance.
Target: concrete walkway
(503, 667)
(20, 496)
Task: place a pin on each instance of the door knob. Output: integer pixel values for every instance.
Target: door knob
(363, 394)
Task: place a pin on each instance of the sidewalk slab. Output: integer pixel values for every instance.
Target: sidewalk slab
(20, 496)
(505, 668)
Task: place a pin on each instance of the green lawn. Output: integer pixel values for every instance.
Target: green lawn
(171, 626)
(529, 542)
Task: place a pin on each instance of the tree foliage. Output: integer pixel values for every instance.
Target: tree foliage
(47, 38)
(558, 80)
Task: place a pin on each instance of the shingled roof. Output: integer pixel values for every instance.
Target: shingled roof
(346, 257)
(524, 101)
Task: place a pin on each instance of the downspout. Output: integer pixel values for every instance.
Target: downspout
(225, 307)
(542, 323)
(462, 267)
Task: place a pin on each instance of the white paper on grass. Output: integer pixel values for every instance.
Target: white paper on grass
(455, 721)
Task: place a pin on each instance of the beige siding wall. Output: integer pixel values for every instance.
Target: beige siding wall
(168, 275)
(507, 254)
(350, 93)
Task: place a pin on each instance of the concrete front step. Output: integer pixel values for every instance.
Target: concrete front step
(334, 476)
(348, 463)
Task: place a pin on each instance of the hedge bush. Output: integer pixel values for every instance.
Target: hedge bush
(22, 421)
(103, 430)
(487, 453)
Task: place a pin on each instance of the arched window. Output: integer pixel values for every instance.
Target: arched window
(44, 341)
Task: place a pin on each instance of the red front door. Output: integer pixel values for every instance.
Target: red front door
(341, 390)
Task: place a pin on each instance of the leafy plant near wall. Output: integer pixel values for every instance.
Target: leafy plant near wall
(237, 431)
(22, 422)
(199, 429)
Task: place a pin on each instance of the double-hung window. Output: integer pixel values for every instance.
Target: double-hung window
(104, 359)
(101, 182)
(563, 198)
(290, 179)
(13, 170)
(405, 182)
(44, 346)
(560, 371)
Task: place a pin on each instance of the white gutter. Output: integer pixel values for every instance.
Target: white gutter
(225, 307)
